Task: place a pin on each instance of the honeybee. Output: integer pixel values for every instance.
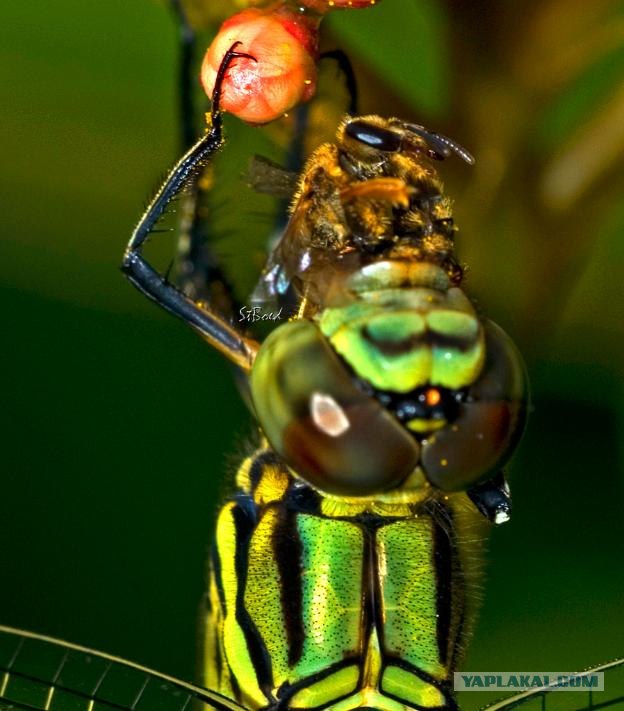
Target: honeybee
(371, 194)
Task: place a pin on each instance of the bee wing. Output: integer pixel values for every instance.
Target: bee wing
(39, 673)
(549, 699)
(266, 176)
(287, 258)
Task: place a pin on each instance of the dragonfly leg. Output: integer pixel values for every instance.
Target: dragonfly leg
(212, 325)
(197, 270)
(187, 51)
(493, 499)
(345, 66)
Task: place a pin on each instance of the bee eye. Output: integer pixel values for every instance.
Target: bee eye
(374, 136)
(328, 431)
(489, 423)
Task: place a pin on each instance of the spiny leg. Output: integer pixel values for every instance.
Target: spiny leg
(197, 271)
(204, 318)
(345, 66)
(187, 44)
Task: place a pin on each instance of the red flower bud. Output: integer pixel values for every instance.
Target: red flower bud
(284, 44)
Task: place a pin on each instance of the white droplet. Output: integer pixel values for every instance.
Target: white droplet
(327, 415)
(501, 517)
(305, 261)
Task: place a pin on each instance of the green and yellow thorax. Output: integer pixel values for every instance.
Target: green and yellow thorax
(325, 602)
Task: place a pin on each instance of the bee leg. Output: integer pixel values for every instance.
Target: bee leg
(394, 191)
(211, 324)
(345, 66)
(493, 499)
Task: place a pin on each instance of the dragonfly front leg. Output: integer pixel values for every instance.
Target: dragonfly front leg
(187, 46)
(197, 271)
(493, 499)
(211, 324)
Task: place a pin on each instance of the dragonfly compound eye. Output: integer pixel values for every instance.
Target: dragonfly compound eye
(330, 432)
(454, 381)
(489, 422)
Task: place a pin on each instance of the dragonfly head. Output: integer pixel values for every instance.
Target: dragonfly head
(400, 385)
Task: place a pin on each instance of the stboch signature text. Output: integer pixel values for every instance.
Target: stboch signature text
(255, 313)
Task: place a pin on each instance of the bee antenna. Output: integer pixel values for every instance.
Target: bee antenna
(441, 145)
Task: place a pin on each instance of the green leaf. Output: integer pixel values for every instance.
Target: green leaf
(581, 99)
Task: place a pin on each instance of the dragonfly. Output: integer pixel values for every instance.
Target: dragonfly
(343, 564)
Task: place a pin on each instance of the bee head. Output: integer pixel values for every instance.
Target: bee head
(368, 140)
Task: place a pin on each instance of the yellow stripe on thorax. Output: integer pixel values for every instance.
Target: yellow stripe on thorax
(263, 597)
(234, 642)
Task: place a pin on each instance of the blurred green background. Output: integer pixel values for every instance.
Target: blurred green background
(120, 426)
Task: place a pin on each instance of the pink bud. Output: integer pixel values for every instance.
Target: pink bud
(284, 44)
